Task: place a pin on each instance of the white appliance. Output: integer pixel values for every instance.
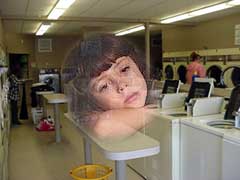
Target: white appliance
(50, 77)
(230, 75)
(200, 152)
(181, 69)
(214, 71)
(165, 165)
(170, 89)
(214, 66)
(169, 70)
(230, 160)
(166, 129)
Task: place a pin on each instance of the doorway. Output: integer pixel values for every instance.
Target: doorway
(19, 61)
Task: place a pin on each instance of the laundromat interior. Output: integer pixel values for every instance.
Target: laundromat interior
(119, 90)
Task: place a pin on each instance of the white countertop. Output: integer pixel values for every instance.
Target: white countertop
(25, 80)
(38, 84)
(135, 146)
(44, 92)
(55, 98)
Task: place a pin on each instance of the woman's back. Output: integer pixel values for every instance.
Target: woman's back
(195, 68)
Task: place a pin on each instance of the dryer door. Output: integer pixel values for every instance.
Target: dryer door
(182, 70)
(52, 80)
(214, 72)
(169, 72)
(235, 76)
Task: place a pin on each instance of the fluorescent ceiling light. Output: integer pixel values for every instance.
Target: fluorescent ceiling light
(64, 4)
(234, 2)
(209, 9)
(56, 13)
(59, 9)
(128, 31)
(176, 18)
(43, 28)
(202, 11)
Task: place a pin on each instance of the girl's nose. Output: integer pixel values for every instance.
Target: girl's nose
(122, 87)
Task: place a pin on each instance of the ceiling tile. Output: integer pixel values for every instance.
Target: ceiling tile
(129, 10)
(13, 7)
(79, 7)
(40, 8)
(103, 7)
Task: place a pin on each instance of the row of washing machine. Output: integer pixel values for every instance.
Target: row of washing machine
(177, 70)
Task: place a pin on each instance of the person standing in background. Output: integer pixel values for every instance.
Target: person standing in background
(13, 95)
(195, 68)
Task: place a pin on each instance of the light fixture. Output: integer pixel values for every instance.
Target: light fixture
(130, 30)
(56, 12)
(64, 4)
(43, 28)
(234, 2)
(209, 9)
(201, 11)
(176, 18)
(59, 9)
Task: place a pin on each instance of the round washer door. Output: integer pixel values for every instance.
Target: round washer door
(235, 76)
(214, 72)
(169, 72)
(182, 70)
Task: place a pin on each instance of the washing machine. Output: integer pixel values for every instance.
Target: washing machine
(181, 69)
(169, 68)
(165, 127)
(50, 77)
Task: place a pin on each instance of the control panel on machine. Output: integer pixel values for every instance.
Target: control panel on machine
(171, 86)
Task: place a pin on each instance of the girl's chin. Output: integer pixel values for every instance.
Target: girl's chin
(135, 104)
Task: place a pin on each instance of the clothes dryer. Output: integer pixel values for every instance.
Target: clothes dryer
(168, 70)
(214, 66)
(232, 75)
(50, 77)
(181, 69)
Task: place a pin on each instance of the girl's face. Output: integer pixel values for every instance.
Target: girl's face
(121, 86)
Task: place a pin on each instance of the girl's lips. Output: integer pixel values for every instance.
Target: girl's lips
(130, 98)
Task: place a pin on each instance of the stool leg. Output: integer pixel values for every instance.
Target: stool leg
(44, 106)
(87, 152)
(57, 123)
(120, 170)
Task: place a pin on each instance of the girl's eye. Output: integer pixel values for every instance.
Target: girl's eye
(103, 87)
(125, 69)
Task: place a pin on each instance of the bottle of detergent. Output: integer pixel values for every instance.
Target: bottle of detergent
(195, 75)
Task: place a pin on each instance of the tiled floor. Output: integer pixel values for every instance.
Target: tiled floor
(34, 155)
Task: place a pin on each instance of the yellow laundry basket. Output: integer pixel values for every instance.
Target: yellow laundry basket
(91, 172)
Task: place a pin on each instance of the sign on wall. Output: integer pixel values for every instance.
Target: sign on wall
(237, 34)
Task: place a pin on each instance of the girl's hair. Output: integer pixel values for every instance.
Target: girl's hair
(194, 56)
(87, 60)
